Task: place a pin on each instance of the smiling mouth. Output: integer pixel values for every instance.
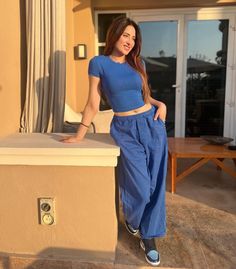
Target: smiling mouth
(127, 48)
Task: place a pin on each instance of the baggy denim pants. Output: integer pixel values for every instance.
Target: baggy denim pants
(142, 167)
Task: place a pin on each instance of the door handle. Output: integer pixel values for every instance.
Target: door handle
(175, 86)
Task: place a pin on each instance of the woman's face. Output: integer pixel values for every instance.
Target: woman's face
(126, 41)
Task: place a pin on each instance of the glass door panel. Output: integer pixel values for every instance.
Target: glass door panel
(159, 50)
(207, 42)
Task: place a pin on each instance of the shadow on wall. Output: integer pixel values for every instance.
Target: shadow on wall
(51, 95)
(82, 4)
(48, 111)
(58, 258)
(23, 52)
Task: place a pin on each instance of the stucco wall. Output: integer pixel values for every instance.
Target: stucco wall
(80, 30)
(10, 77)
(86, 224)
(123, 4)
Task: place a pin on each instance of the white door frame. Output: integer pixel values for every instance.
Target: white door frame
(232, 128)
(182, 16)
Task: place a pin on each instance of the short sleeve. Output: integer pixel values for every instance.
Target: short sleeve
(94, 67)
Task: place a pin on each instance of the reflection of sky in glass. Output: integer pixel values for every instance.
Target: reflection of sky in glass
(158, 36)
(204, 39)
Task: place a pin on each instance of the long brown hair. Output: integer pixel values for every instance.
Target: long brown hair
(114, 32)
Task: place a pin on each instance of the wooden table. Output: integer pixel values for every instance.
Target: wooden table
(196, 147)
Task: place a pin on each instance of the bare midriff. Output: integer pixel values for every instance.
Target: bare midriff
(138, 110)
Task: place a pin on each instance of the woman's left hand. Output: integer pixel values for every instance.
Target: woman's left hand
(161, 112)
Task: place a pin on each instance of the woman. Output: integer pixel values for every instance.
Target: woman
(138, 129)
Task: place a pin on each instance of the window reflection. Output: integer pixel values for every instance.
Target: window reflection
(159, 53)
(206, 74)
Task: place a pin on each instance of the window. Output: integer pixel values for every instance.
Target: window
(104, 21)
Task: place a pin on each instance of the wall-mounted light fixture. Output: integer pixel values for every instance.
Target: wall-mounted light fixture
(80, 52)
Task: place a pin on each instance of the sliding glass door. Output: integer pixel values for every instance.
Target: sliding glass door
(207, 51)
(159, 54)
(190, 64)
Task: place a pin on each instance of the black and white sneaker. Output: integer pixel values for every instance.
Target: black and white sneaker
(151, 254)
(130, 229)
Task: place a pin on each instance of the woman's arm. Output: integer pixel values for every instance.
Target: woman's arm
(90, 110)
(161, 111)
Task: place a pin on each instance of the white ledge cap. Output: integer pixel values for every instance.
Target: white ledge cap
(46, 149)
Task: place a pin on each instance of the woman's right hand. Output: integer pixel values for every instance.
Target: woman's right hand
(70, 139)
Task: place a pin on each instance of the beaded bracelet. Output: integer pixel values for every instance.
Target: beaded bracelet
(87, 126)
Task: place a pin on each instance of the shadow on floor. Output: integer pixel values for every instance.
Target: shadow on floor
(201, 224)
(208, 185)
(58, 258)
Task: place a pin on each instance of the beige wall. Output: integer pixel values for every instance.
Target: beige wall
(10, 77)
(80, 29)
(123, 4)
(86, 224)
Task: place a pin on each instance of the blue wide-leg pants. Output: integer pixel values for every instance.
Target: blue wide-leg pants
(142, 167)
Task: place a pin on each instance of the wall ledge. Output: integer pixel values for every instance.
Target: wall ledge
(46, 149)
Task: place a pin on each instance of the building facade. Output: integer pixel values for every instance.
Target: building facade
(188, 48)
(189, 53)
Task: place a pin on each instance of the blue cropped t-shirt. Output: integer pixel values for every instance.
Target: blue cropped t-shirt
(121, 83)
